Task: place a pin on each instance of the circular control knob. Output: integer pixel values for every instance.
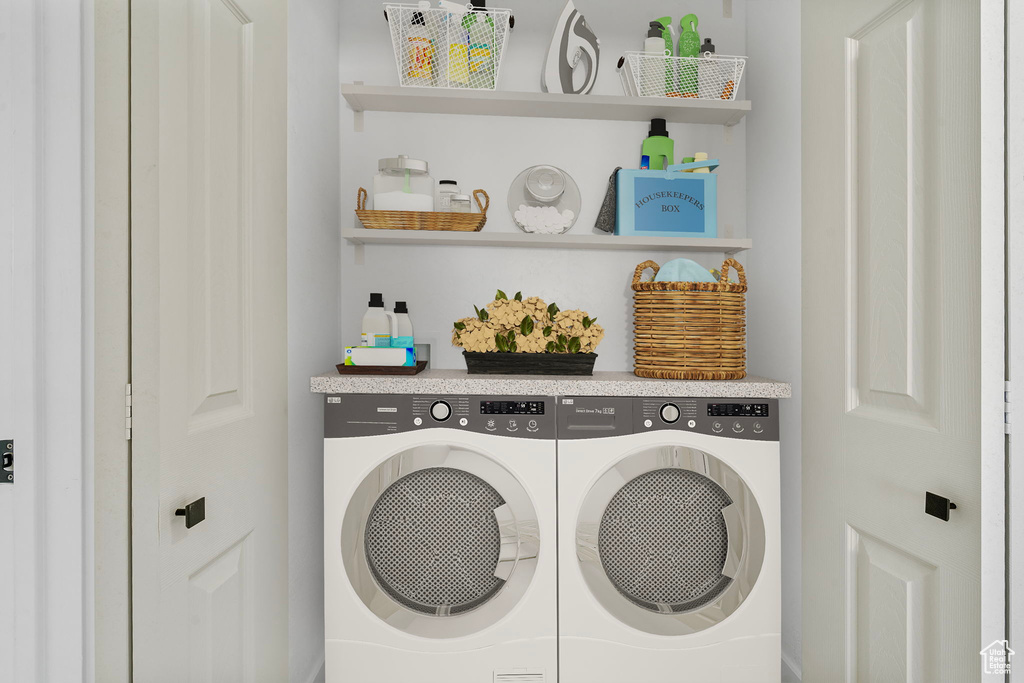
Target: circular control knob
(669, 413)
(440, 411)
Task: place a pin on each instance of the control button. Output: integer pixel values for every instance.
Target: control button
(532, 426)
(717, 427)
(648, 423)
(491, 426)
(418, 421)
(512, 426)
(737, 427)
(463, 422)
(669, 413)
(758, 428)
(691, 424)
(440, 411)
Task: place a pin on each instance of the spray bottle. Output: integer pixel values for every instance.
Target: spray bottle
(668, 32)
(689, 46)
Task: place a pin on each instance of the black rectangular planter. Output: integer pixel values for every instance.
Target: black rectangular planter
(495, 363)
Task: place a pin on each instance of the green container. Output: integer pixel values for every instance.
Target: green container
(689, 46)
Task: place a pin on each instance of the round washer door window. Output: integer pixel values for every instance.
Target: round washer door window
(670, 540)
(440, 541)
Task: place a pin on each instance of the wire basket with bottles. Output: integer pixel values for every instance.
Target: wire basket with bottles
(709, 77)
(449, 46)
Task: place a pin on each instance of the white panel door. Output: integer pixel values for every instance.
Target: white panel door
(209, 340)
(892, 159)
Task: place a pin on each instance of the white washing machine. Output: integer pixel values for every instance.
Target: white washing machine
(440, 539)
(669, 550)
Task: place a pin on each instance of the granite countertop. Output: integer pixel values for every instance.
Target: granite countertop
(599, 384)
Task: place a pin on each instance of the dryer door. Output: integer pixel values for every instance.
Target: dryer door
(670, 540)
(440, 541)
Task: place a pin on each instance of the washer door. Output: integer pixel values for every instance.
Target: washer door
(670, 540)
(440, 541)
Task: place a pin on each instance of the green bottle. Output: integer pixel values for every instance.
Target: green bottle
(668, 34)
(659, 146)
(689, 46)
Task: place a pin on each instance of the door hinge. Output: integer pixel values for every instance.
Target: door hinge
(1007, 409)
(7, 463)
(127, 412)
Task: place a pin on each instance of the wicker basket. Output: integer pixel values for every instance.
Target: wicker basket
(690, 330)
(424, 220)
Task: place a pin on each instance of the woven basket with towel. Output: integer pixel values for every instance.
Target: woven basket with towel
(690, 330)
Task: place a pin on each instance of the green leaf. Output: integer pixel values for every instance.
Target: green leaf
(593, 320)
(551, 347)
(561, 348)
(547, 331)
(587, 322)
(552, 311)
(500, 341)
(460, 326)
(511, 336)
(484, 315)
(500, 295)
(562, 341)
(513, 347)
(526, 327)
(574, 345)
(519, 296)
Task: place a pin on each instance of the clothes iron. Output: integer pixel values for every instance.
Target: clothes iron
(572, 43)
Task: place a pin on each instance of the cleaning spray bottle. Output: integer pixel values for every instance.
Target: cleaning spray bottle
(650, 85)
(658, 146)
(668, 32)
(689, 46)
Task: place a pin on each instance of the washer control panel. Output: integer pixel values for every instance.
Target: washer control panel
(524, 417)
(595, 417)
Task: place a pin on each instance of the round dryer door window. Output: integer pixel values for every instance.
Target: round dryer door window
(670, 540)
(440, 541)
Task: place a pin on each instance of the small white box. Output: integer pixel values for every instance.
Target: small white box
(381, 356)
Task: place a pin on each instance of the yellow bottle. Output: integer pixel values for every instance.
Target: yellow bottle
(701, 156)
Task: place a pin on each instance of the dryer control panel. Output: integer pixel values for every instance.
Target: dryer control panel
(523, 417)
(589, 417)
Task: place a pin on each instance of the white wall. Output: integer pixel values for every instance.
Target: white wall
(442, 284)
(313, 304)
(773, 304)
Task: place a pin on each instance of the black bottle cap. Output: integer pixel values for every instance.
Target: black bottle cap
(707, 46)
(447, 182)
(376, 300)
(400, 307)
(658, 128)
(656, 30)
(417, 19)
(478, 4)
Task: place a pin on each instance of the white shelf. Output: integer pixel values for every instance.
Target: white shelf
(521, 239)
(543, 105)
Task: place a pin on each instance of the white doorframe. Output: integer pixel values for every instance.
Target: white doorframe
(993, 316)
(44, 63)
(112, 299)
(1015, 350)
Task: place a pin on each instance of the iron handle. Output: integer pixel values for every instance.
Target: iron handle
(938, 506)
(194, 512)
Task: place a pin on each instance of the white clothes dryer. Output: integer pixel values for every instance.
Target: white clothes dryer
(669, 548)
(440, 533)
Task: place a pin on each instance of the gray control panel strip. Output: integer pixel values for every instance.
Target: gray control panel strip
(524, 417)
(590, 417)
(541, 417)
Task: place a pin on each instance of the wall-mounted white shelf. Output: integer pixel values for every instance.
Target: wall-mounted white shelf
(543, 105)
(521, 239)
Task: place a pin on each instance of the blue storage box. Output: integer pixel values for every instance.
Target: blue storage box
(660, 203)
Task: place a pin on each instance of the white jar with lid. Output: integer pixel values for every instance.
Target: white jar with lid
(446, 189)
(461, 203)
(403, 184)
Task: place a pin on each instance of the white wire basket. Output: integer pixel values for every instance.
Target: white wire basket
(448, 47)
(713, 77)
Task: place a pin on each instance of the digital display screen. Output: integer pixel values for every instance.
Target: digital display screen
(737, 410)
(511, 407)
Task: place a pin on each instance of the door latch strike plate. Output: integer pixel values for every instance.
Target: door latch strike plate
(7, 461)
